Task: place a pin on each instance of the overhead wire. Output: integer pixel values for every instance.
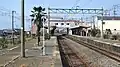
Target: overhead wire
(8, 13)
(115, 8)
(76, 2)
(86, 4)
(78, 7)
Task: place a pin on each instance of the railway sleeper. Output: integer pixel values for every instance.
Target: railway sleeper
(107, 53)
(71, 56)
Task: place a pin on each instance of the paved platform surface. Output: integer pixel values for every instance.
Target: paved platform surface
(100, 39)
(34, 56)
(33, 61)
(9, 54)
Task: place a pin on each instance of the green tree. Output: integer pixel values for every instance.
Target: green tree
(95, 32)
(37, 14)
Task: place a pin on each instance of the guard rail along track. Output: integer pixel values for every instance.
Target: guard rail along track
(69, 56)
(109, 50)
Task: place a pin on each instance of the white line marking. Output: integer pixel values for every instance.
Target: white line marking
(26, 50)
(13, 58)
(13, 48)
(3, 53)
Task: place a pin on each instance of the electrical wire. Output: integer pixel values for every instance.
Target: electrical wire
(7, 12)
(77, 2)
(89, 2)
(115, 8)
(78, 7)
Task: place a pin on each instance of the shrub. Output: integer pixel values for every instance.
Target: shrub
(3, 43)
(98, 35)
(47, 36)
(95, 32)
(105, 36)
(115, 37)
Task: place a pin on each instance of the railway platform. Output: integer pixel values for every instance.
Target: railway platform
(34, 57)
(108, 41)
(111, 45)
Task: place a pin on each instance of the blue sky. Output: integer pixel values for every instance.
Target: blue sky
(15, 5)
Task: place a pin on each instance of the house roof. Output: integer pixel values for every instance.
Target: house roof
(109, 17)
(17, 30)
(7, 30)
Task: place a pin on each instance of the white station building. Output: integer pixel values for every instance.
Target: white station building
(111, 22)
(62, 25)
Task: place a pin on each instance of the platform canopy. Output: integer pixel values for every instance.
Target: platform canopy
(78, 27)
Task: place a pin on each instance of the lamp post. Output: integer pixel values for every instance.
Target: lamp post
(22, 30)
(49, 23)
(43, 46)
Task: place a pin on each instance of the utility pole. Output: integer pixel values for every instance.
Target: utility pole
(93, 22)
(114, 11)
(22, 30)
(102, 24)
(13, 27)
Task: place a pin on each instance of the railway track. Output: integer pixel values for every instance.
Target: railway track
(105, 52)
(69, 56)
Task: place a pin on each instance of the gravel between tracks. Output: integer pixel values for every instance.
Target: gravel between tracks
(96, 59)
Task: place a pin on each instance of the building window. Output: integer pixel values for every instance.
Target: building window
(67, 23)
(56, 23)
(62, 23)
